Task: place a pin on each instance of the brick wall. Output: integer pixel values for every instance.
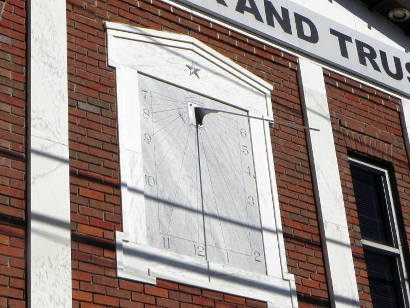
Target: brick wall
(364, 120)
(12, 152)
(95, 192)
(367, 121)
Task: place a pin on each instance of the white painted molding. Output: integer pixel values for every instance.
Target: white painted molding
(328, 191)
(136, 52)
(387, 249)
(405, 122)
(49, 247)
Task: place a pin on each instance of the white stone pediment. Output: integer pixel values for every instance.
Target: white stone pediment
(164, 54)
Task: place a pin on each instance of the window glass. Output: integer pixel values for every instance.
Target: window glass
(384, 282)
(376, 219)
(371, 206)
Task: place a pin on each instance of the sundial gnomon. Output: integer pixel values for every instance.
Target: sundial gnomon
(202, 203)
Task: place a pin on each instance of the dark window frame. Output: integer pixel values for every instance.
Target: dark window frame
(395, 250)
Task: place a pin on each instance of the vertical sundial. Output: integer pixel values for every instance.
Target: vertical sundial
(200, 184)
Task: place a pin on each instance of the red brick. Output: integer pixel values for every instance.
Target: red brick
(190, 290)
(14, 303)
(167, 284)
(130, 285)
(82, 296)
(106, 300)
(203, 301)
(4, 239)
(118, 293)
(86, 267)
(234, 299)
(129, 304)
(183, 297)
(106, 281)
(90, 230)
(88, 305)
(139, 297)
(163, 302)
(255, 304)
(152, 290)
(81, 276)
(17, 283)
(91, 194)
(221, 304)
(186, 305)
(11, 251)
(11, 292)
(212, 294)
(4, 281)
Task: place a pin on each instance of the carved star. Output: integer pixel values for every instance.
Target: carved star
(193, 70)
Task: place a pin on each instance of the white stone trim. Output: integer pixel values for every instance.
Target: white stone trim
(49, 235)
(146, 264)
(183, 41)
(133, 52)
(328, 191)
(405, 122)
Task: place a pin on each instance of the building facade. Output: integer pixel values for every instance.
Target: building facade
(187, 153)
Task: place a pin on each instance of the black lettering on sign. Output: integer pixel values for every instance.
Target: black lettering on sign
(398, 75)
(283, 20)
(241, 7)
(343, 38)
(408, 70)
(365, 51)
(313, 36)
(221, 2)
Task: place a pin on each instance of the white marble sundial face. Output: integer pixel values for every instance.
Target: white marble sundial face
(200, 191)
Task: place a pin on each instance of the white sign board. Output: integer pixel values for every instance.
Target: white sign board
(317, 36)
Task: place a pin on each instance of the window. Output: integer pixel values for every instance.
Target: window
(379, 230)
(199, 200)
